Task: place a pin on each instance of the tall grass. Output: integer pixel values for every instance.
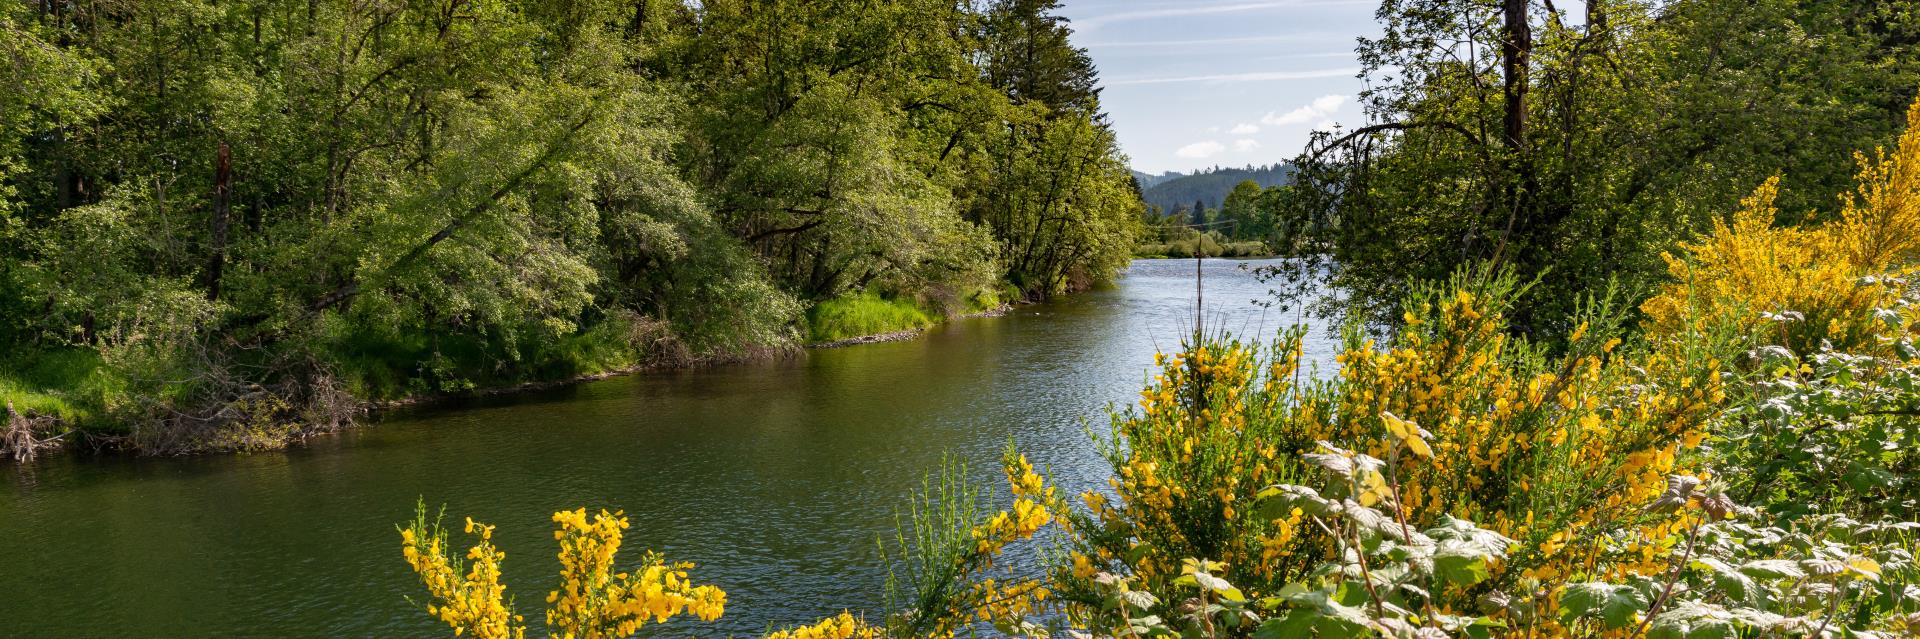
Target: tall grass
(863, 314)
(69, 384)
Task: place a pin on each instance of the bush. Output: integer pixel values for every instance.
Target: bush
(1803, 287)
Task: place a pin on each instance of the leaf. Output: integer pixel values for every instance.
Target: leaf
(1773, 569)
(1459, 567)
(1379, 523)
(1279, 500)
(1336, 463)
(1397, 427)
(1211, 583)
(1616, 605)
(1419, 447)
(1481, 539)
(1679, 491)
(1729, 580)
(1692, 620)
(1865, 567)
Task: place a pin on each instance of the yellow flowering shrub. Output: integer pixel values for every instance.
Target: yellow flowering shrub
(957, 580)
(1558, 453)
(595, 599)
(1800, 287)
(469, 598)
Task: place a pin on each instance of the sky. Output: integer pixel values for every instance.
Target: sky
(1199, 83)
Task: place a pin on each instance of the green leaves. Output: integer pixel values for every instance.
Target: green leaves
(1614, 605)
(1278, 501)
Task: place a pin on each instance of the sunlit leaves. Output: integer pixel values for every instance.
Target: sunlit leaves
(1615, 605)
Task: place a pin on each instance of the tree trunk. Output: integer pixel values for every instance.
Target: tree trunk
(1515, 48)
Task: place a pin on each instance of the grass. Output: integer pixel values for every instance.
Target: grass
(66, 383)
(861, 315)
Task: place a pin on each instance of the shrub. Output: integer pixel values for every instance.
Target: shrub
(1804, 286)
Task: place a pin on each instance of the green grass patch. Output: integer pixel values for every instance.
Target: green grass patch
(861, 315)
(67, 383)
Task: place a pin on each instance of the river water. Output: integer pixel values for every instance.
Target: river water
(776, 478)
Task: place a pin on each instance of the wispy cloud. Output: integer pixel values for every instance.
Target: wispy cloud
(1095, 22)
(1205, 148)
(1267, 76)
(1161, 44)
(1245, 129)
(1319, 110)
(1245, 144)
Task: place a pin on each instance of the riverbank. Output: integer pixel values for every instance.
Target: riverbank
(1188, 248)
(37, 422)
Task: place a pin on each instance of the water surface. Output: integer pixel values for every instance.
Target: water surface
(776, 478)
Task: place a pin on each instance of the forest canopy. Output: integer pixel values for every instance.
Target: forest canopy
(298, 205)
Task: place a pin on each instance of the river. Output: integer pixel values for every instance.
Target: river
(775, 477)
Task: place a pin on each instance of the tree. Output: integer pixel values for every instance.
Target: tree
(1578, 152)
(1241, 211)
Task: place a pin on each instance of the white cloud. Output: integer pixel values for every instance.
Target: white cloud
(1239, 77)
(1245, 129)
(1329, 103)
(1296, 116)
(1326, 125)
(1213, 129)
(1244, 144)
(1200, 149)
(1321, 109)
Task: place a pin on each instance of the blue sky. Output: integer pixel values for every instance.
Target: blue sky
(1222, 82)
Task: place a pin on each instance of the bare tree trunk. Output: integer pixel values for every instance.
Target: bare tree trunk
(1515, 48)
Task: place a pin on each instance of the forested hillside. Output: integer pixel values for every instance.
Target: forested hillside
(1210, 186)
(1147, 180)
(225, 223)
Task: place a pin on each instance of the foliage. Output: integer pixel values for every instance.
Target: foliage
(864, 314)
(409, 199)
(1802, 288)
(1579, 148)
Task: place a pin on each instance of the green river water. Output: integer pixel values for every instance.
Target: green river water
(776, 478)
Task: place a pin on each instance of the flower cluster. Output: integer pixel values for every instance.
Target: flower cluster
(594, 601)
(468, 597)
(844, 626)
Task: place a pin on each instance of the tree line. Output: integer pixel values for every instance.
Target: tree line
(407, 197)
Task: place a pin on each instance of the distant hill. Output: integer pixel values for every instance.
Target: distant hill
(1207, 185)
(1148, 181)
